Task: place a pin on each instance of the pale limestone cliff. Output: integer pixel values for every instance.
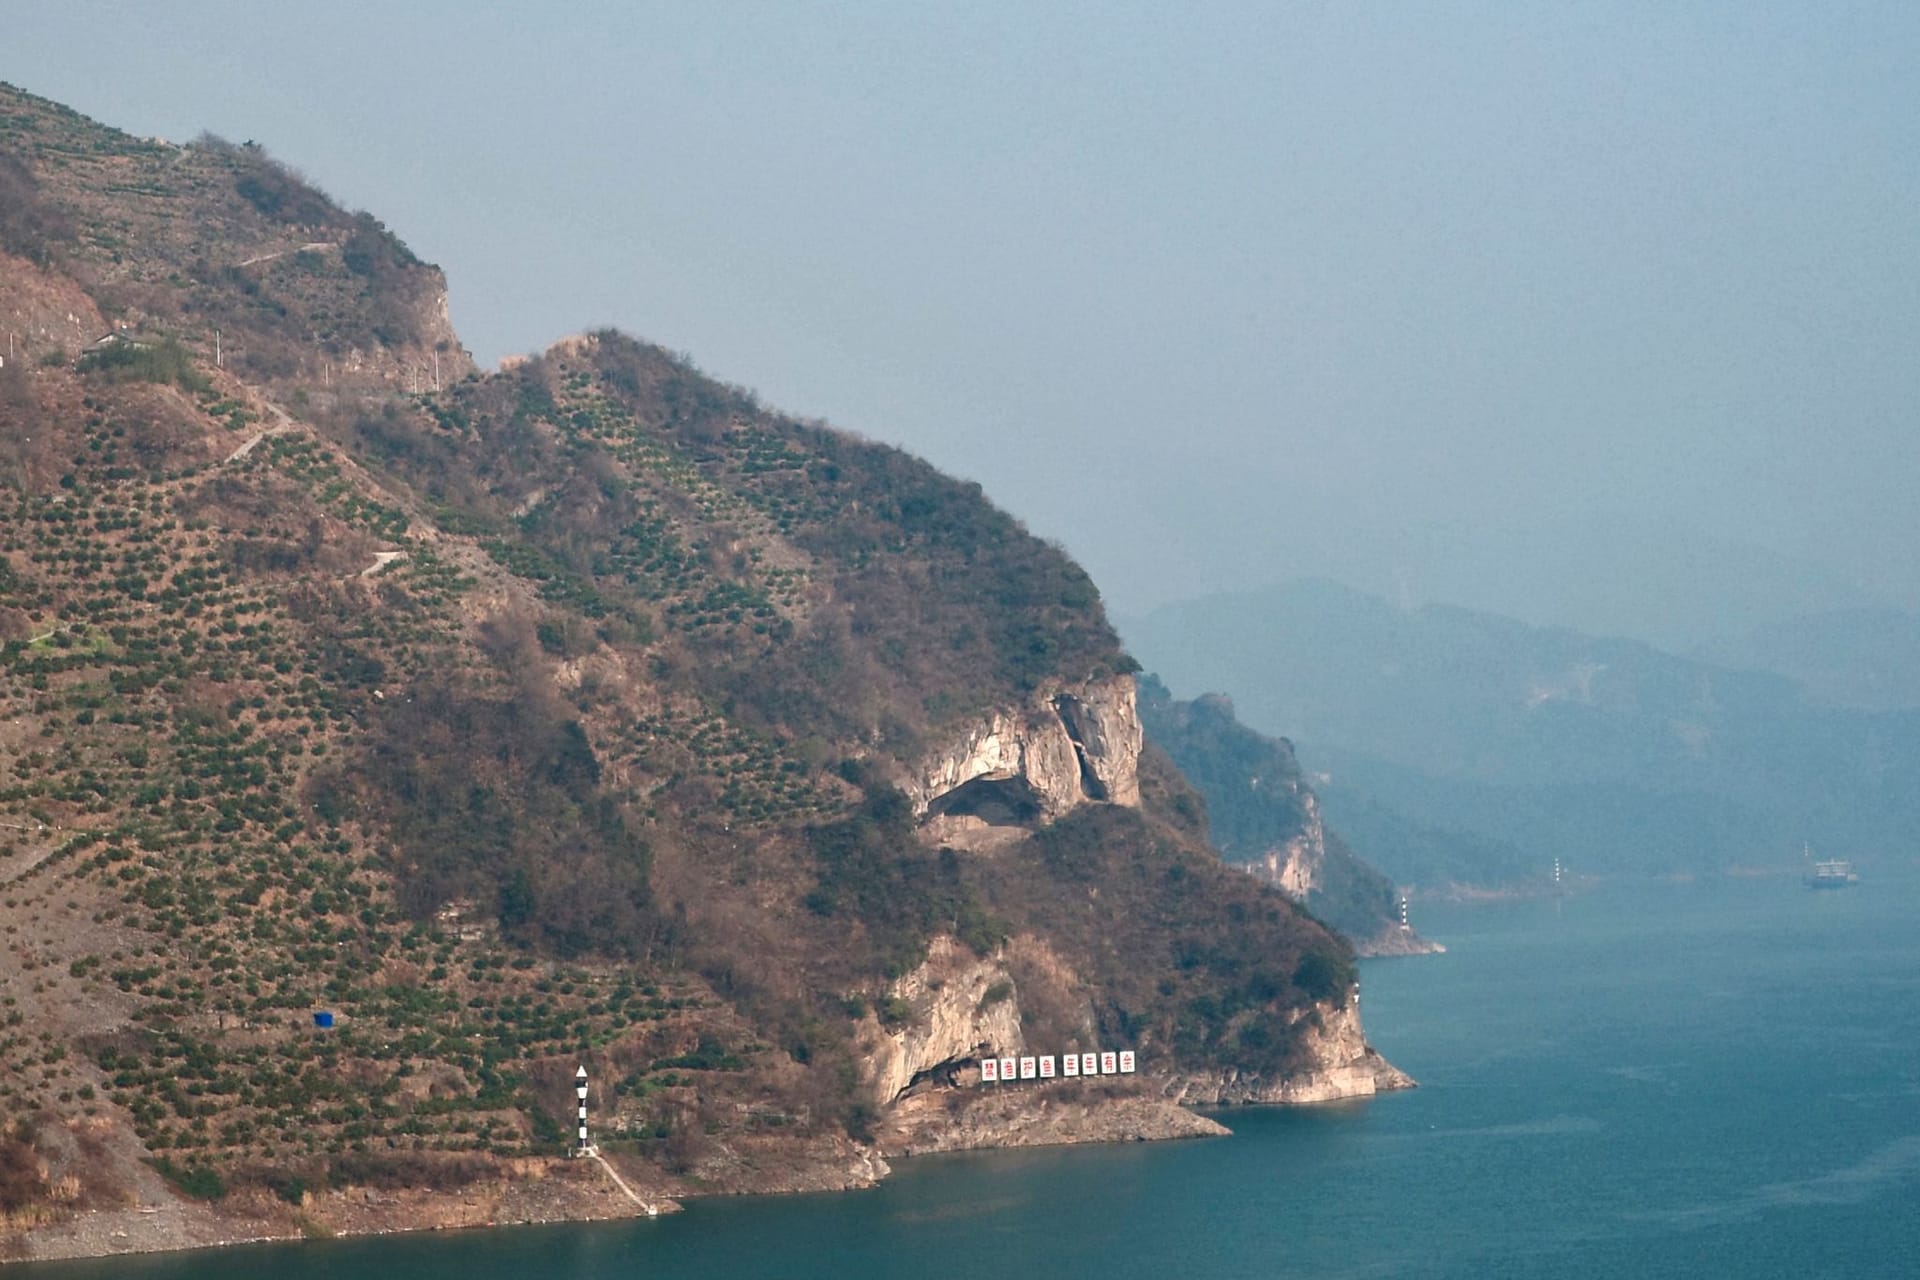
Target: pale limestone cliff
(1104, 723)
(1295, 867)
(925, 1075)
(1343, 1065)
(961, 1007)
(1397, 940)
(1298, 868)
(1033, 763)
(1028, 747)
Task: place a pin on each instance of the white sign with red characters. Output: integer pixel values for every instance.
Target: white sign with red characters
(1107, 1062)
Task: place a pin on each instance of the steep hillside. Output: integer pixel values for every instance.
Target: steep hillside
(583, 712)
(1264, 818)
(1867, 659)
(1426, 855)
(213, 238)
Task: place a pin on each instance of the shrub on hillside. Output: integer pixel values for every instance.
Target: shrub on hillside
(161, 360)
(29, 226)
(20, 1183)
(500, 801)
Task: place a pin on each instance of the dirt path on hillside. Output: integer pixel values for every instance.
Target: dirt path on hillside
(621, 1183)
(317, 246)
(282, 421)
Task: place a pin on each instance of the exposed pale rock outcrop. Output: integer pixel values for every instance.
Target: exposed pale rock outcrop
(1344, 1065)
(959, 1004)
(1298, 867)
(1295, 866)
(1104, 724)
(1036, 762)
(1041, 1116)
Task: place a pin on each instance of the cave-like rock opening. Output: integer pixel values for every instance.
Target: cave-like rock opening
(998, 802)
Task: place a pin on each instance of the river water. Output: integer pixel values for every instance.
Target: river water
(1710, 1079)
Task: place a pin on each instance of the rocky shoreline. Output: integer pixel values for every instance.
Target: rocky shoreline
(525, 1192)
(1062, 1115)
(1396, 941)
(938, 1112)
(530, 1191)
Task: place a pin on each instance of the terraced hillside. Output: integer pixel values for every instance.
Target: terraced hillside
(585, 711)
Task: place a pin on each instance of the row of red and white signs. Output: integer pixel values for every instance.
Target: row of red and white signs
(997, 1070)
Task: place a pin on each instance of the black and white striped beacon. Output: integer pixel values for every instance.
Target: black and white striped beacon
(580, 1092)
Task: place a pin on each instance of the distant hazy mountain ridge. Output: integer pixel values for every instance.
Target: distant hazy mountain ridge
(1606, 752)
(1867, 659)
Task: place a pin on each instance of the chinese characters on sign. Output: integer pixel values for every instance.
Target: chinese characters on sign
(1047, 1066)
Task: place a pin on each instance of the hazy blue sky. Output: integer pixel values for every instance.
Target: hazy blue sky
(1599, 313)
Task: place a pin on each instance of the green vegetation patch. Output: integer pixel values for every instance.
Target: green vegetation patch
(132, 359)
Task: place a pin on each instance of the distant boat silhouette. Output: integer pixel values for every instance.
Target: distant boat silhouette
(1828, 873)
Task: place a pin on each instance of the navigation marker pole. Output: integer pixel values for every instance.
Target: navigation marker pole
(1403, 911)
(580, 1092)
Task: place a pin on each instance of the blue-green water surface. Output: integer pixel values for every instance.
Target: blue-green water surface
(1708, 1079)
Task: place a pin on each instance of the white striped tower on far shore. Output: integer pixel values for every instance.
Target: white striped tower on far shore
(580, 1091)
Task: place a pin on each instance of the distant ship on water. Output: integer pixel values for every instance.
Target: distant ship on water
(1830, 873)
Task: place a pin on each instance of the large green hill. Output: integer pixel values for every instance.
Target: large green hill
(580, 712)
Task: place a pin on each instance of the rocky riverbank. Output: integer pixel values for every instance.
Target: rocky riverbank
(1395, 941)
(1060, 1114)
(523, 1191)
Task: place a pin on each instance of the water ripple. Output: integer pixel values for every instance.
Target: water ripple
(1853, 1184)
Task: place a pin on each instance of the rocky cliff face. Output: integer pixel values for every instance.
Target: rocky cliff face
(962, 1007)
(1296, 864)
(1342, 1065)
(1264, 817)
(926, 1077)
(1034, 763)
(1104, 723)
(426, 353)
(1322, 876)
